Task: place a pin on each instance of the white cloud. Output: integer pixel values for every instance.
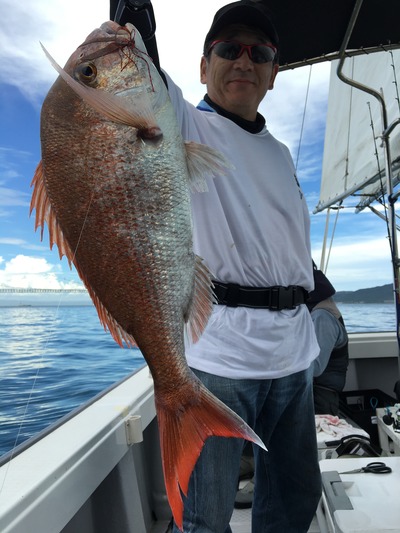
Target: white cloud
(35, 273)
(356, 265)
(21, 264)
(13, 242)
(22, 243)
(291, 99)
(61, 26)
(13, 197)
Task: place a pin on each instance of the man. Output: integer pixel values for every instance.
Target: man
(330, 367)
(252, 229)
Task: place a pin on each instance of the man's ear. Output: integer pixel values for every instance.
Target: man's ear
(273, 76)
(203, 70)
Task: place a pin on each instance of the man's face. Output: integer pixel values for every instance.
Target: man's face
(238, 85)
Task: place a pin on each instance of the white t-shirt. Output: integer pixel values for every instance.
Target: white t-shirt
(251, 228)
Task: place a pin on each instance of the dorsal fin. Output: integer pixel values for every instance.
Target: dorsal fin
(45, 214)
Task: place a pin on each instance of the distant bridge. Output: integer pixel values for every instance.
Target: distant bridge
(51, 291)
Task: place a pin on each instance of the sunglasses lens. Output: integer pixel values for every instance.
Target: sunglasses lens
(228, 50)
(231, 50)
(262, 54)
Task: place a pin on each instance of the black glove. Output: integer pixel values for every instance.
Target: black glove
(139, 12)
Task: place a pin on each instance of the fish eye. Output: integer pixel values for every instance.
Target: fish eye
(86, 72)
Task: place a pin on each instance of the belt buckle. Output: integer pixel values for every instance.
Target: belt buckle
(282, 298)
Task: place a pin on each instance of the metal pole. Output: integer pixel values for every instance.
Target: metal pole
(386, 130)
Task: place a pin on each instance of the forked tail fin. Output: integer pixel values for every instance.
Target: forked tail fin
(182, 437)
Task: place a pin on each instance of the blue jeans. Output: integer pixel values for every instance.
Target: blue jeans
(287, 477)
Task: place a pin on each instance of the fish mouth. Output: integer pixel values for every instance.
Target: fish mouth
(112, 35)
(110, 26)
(118, 33)
(131, 28)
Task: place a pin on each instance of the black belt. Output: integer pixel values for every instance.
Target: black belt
(273, 298)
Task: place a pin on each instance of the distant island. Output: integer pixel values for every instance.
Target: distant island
(374, 295)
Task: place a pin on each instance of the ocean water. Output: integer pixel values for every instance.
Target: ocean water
(362, 318)
(54, 359)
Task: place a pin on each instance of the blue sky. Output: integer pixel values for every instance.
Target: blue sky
(360, 253)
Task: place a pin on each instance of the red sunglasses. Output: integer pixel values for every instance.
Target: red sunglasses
(231, 50)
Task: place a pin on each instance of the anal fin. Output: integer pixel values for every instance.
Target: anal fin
(202, 302)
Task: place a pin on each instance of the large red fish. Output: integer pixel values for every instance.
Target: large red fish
(113, 188)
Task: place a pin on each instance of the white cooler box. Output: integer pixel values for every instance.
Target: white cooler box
(362, 502)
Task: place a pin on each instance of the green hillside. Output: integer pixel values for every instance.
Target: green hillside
(374, 295)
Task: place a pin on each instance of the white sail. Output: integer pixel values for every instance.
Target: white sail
(353, 153)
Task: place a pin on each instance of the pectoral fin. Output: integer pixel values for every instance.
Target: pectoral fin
(203, 162)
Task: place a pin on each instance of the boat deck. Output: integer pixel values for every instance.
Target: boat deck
(241, 520)
(240, 523)
(242, 517)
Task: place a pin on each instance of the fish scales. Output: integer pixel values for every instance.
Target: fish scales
(152, 211)
(113, 189)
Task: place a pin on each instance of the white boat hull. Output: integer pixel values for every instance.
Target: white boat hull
(100, 470)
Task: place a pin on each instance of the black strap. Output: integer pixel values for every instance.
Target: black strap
(273, 298)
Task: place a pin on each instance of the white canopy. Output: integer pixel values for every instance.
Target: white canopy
(353, 153)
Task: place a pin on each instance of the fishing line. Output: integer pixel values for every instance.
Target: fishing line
(27, 404)
(36, 375)
(304, 117)
(72, 260)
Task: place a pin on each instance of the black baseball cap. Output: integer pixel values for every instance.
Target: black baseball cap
(247, 12)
